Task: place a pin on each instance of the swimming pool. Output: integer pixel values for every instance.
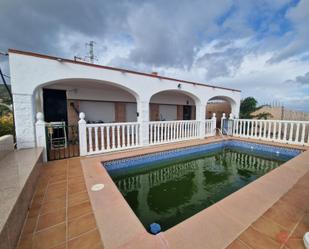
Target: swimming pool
(171, 186)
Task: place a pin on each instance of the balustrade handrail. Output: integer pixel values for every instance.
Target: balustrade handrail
(111, 124)
(174, 121)
(273, 120)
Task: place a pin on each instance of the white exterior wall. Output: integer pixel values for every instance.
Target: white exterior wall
(168, 112)
(29, 73)
(131, 109)
(98, 111)
(24, 118)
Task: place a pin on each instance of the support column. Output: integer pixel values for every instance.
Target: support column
(214, 124)
(200, 116)
(231, 125)
(143, 119)
(82, 132)
(40, 131)
(223, 122)
(235, 108)
(24, 120)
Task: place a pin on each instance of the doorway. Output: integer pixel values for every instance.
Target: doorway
(187, 112)
(62, 139)
(55, 105)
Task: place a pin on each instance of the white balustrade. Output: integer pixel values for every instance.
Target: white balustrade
(210, 128)
(172, 131)
(100, 138)
(111, 136)
(282, 131)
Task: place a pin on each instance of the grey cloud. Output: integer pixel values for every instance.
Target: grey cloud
(168, 36)
(35, 25)
(220, 64)
(303, 79)
(162, 33)
(298, 16)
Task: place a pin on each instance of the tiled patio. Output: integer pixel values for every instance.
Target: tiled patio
(283, 225)
(61, 215)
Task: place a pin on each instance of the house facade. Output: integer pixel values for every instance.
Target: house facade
(61, 89)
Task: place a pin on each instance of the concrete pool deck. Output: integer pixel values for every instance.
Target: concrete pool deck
(271, 212)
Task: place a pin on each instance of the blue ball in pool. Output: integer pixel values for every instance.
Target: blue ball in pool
(155, 228)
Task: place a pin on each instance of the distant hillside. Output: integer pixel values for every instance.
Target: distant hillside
(281, 113)
(4, 96)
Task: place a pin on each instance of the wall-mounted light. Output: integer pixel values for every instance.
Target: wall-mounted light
(137, 114)
(179, 86)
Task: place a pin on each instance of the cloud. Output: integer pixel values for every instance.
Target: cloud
(304, 80)
(226, 42)
(169, 36)
(220, 59)
(300, 79)
(298, 16)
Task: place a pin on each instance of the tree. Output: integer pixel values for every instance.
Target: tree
(248, 106)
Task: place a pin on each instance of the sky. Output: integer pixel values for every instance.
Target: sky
(258, 46)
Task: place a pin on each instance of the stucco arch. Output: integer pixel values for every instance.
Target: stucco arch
(173, 105)
(234, 108)
(90, 81)
(195, 98)
(100, 100)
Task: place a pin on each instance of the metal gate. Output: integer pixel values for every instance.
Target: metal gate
(62, 141)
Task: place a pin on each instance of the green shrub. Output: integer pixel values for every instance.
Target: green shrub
(6, 124)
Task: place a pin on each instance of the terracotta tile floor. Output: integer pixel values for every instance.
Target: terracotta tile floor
(283, 225)
(60, 215)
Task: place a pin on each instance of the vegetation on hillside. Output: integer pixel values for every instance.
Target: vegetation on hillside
(248, 106)
(6, 124)
(6, 115)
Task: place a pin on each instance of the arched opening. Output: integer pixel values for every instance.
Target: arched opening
(61, 102)
(172, 105)
(102, 102)
(219, 105)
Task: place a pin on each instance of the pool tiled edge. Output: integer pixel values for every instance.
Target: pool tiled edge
(120, 228)
(197, 149)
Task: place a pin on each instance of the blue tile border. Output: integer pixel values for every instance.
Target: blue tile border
(141, 160)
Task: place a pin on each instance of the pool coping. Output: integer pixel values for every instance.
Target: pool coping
(213, 227)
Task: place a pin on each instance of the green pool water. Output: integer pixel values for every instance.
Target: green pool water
(172, 191)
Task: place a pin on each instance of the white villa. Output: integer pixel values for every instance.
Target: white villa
(61, 89)
(65, 108)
